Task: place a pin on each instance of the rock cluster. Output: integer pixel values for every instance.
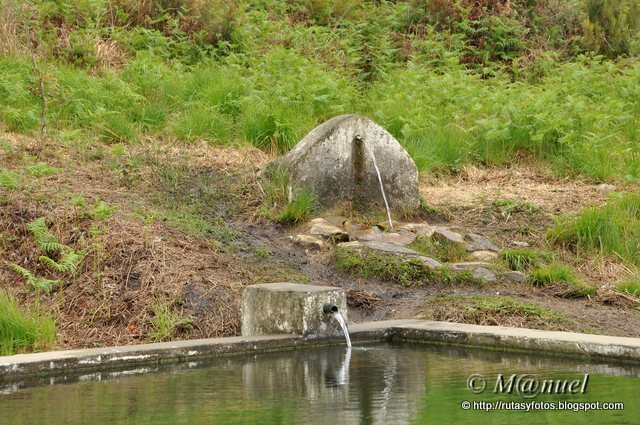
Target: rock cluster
(481, 253)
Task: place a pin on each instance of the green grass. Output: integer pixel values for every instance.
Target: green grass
(469, 94)
(523, 259)
(613, 229)
(553, 273)
(23, 330)
(299, 208)
(443, 251)
(394, 268)
(166, 323)
(484, 309)
(629, 286)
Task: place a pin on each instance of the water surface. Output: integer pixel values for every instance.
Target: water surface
(384, 384)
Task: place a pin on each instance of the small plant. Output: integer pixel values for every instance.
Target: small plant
(298, 208)
(9, 180)
(23, 330)
(630, 286)
(611, 229)
(68, 263)
(444, 251)
(41, 169)
(523, 259)
(553, 273)
(37, 283)
(166, 323)
(507, 207)
(102, 210)
(45, 240)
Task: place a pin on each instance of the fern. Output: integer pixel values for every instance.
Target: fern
(68, 263)
(36, 282)
(45, 240)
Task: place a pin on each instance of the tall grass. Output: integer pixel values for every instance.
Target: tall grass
(278, 68)
(613, 229)
(23, 330)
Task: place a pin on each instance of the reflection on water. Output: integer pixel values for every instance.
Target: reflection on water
(385, 384)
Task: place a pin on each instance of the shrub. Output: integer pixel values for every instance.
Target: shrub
(612, 26)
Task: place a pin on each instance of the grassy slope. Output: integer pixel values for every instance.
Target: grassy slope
(133, 93)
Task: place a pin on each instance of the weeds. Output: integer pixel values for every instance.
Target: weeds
(443, 251)
(613, 229)
(630, 286)
(23, 330)
(166, 323)
(553, 273)
(491, 310)
(523, 259)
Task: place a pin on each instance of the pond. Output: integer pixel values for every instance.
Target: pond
(382, 383)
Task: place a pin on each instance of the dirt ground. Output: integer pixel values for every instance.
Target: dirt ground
(139, 259)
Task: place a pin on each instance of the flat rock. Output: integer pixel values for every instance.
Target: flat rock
(336, 220)
(484, 256)
(358, 230)
(485, 274)
(401, 238)
(420, 229)
(470, 265)
(445, 234)
(354, 246)
(427, 261)
(388, 247)
(520, 244)
(309, 241)
(515, 276)
(480, 243)
(322, 227)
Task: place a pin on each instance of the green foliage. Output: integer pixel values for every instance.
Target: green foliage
(37, 283)
(166, 323)
(553, 273)
(23, 330)
(441, 250)
(523, 259)
(45, 240)
(629, 286)
(298, 208)
(101, 210)
(483, 309)
(510, 206)
(9, 180)
(200, 122)
(370, 264)
(613, 229)
(41, 169)
(612, 27)
(68, 263)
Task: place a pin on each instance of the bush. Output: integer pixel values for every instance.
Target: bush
(612, 27)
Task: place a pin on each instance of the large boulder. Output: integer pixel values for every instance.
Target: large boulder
(335, 160)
